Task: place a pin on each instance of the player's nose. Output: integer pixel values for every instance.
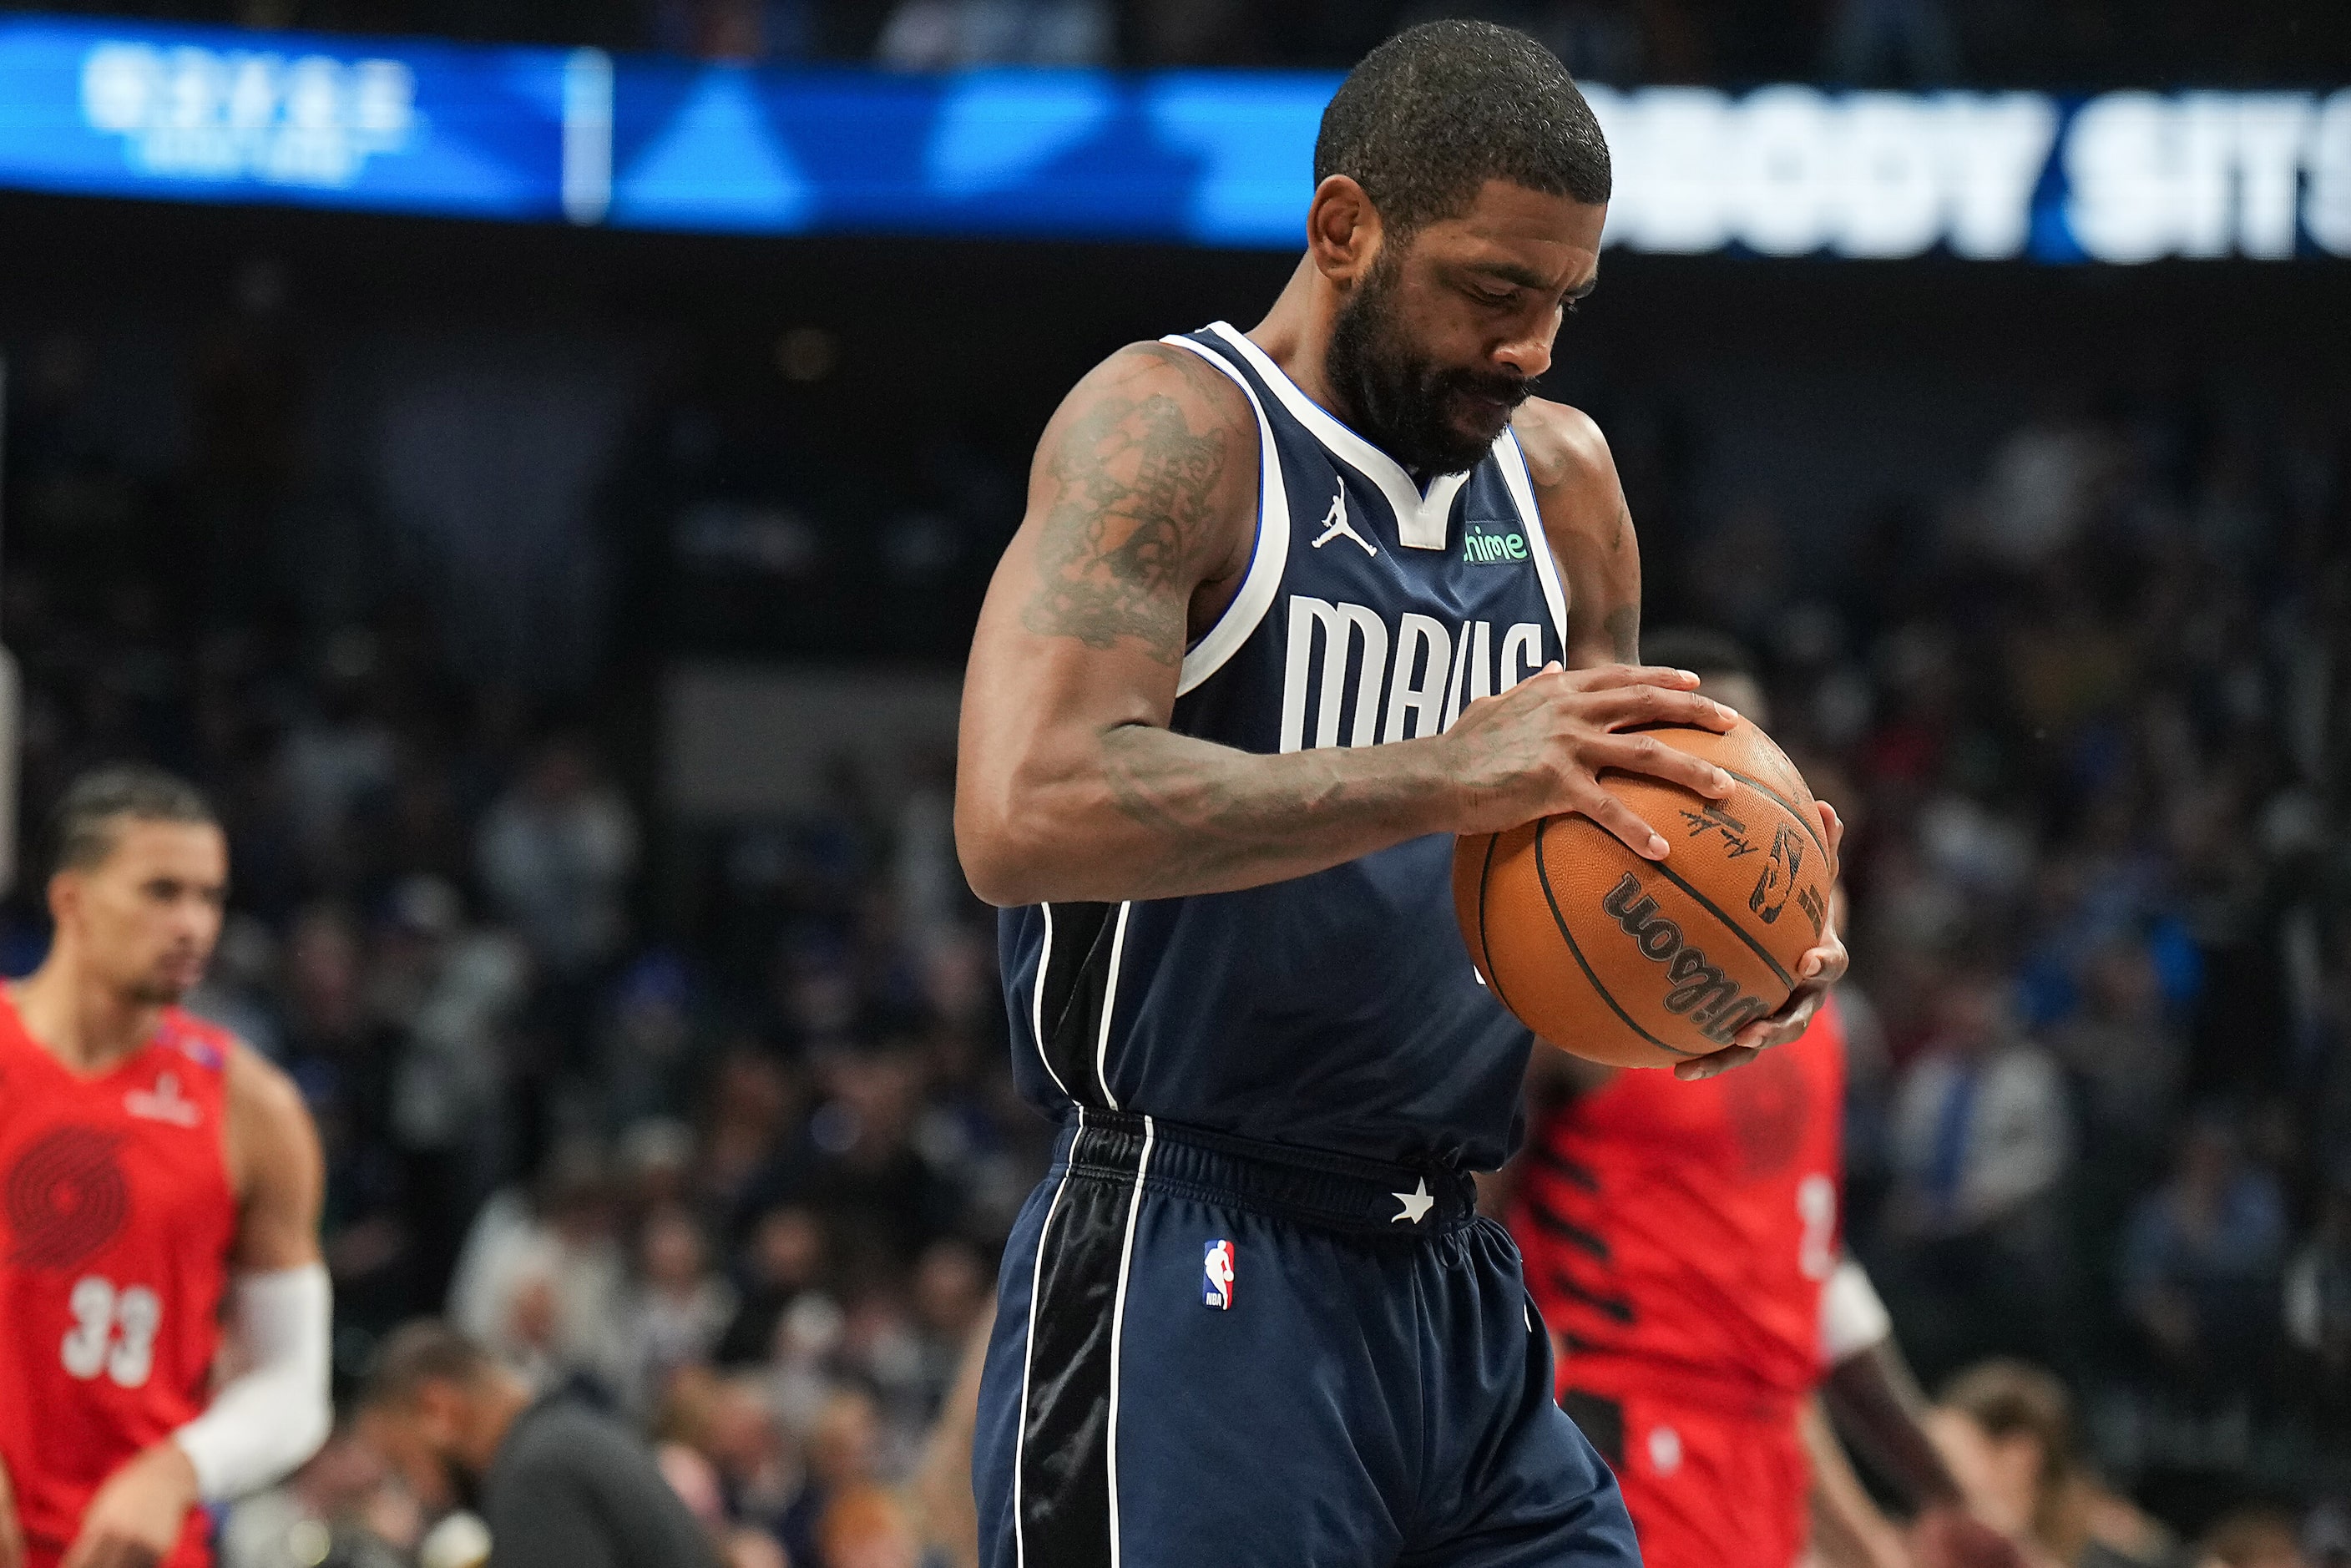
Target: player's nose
(1529, 356)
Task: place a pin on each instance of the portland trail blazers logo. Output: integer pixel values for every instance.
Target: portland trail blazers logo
(66, 1198)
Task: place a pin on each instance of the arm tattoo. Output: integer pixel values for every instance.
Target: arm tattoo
(1136, 485)
(1624, 627)
(1220, 827)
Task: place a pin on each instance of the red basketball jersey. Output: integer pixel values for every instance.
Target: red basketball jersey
(115, 1219)
(1677, 1235)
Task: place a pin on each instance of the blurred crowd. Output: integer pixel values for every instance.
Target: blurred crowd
(2089, 720)
(720, 1132)
(1910, 43)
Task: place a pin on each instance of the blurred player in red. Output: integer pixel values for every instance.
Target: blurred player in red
(156, 1177)
(1683, 1241)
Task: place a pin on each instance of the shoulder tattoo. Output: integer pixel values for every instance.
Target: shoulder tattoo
(1136, 483)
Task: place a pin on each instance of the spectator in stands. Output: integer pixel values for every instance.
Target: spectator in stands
(2318, 1294)
(540, 1281)
(2007, 1429)
(561, 1484)
(674, 1313)
(2200, 1261)
(556, 853)
(1980, 1138)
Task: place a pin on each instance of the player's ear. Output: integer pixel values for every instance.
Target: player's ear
(65, 895)
(1342, 230)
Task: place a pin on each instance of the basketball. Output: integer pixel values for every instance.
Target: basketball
(1640, 963)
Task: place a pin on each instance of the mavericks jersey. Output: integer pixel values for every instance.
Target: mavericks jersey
(1338, 1011)
(115, 1219)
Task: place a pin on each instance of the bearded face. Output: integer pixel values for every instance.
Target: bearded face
(1431, 418)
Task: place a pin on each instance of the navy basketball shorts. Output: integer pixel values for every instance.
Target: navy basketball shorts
(1208, 1350)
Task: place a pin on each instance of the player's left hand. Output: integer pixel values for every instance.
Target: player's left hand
(1819, 969)
(136, 1517)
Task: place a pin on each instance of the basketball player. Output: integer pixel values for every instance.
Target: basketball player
(154, 1172)
(1683, 1242)
(1290, 609)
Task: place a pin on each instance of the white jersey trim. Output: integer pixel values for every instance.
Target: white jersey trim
(1037, 1003)
(1522, 486)
(1422, 521)
(1267, 555)
(1028, 1356)
(1110, 1006)
(1118, 1326)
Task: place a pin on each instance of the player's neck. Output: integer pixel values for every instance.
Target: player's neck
(1296, 335)
(88, 1025)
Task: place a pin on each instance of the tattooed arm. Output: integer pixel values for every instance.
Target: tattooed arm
(1142, 515)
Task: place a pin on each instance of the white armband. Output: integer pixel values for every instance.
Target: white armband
(1851, 1317)
(268, 1419)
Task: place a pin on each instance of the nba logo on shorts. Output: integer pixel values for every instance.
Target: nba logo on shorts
(1218, 1290)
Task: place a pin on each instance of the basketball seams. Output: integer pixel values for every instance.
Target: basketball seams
(1543, 875)
(1774, 796)
(1728, 923)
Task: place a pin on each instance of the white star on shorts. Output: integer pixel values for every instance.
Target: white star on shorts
(1416, 1203)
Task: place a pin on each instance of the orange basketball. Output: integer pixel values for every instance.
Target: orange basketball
(1641, 963)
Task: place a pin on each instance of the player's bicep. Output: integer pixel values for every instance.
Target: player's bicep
(1130, 505)
(1141, 490)
(284, 1170)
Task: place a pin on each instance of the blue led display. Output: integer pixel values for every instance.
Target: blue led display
(1209, 158)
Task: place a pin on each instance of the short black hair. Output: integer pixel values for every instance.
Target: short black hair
(83, 825)
(1431, 115)
(1704, 651)
(423, 1351)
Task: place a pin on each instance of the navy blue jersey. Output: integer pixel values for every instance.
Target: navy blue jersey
(1337, 1011)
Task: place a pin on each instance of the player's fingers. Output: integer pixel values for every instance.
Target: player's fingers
(1620, 706)
(1601, 677)
(1616, 817)
(1647, 754)
(1825, 965)
(1833, 828)
(1790, 1020)
(1715, 1062)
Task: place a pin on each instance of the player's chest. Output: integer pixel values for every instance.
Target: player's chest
(1383, 641)
(132, 1161)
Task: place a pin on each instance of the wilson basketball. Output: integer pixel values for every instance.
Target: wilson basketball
(1641, 963)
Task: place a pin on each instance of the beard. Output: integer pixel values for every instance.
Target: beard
(1432, 421)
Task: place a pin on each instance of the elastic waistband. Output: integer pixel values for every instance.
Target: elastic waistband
(1332, 1192)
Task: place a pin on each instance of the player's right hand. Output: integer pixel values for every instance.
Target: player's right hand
(1538, 749)
(134, 1521)
(12, 1534)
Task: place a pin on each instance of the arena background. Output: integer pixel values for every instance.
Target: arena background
(566, 615)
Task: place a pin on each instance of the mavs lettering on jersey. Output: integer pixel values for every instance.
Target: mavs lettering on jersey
(1339, 1010)
(1425, 691)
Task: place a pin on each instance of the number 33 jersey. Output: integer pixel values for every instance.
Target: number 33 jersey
(115, 1219)
(1677, 1235)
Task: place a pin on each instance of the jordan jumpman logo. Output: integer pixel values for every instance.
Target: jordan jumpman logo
(1335, 526)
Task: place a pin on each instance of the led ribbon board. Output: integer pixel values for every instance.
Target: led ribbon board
(214, 115)
(1220, 158)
